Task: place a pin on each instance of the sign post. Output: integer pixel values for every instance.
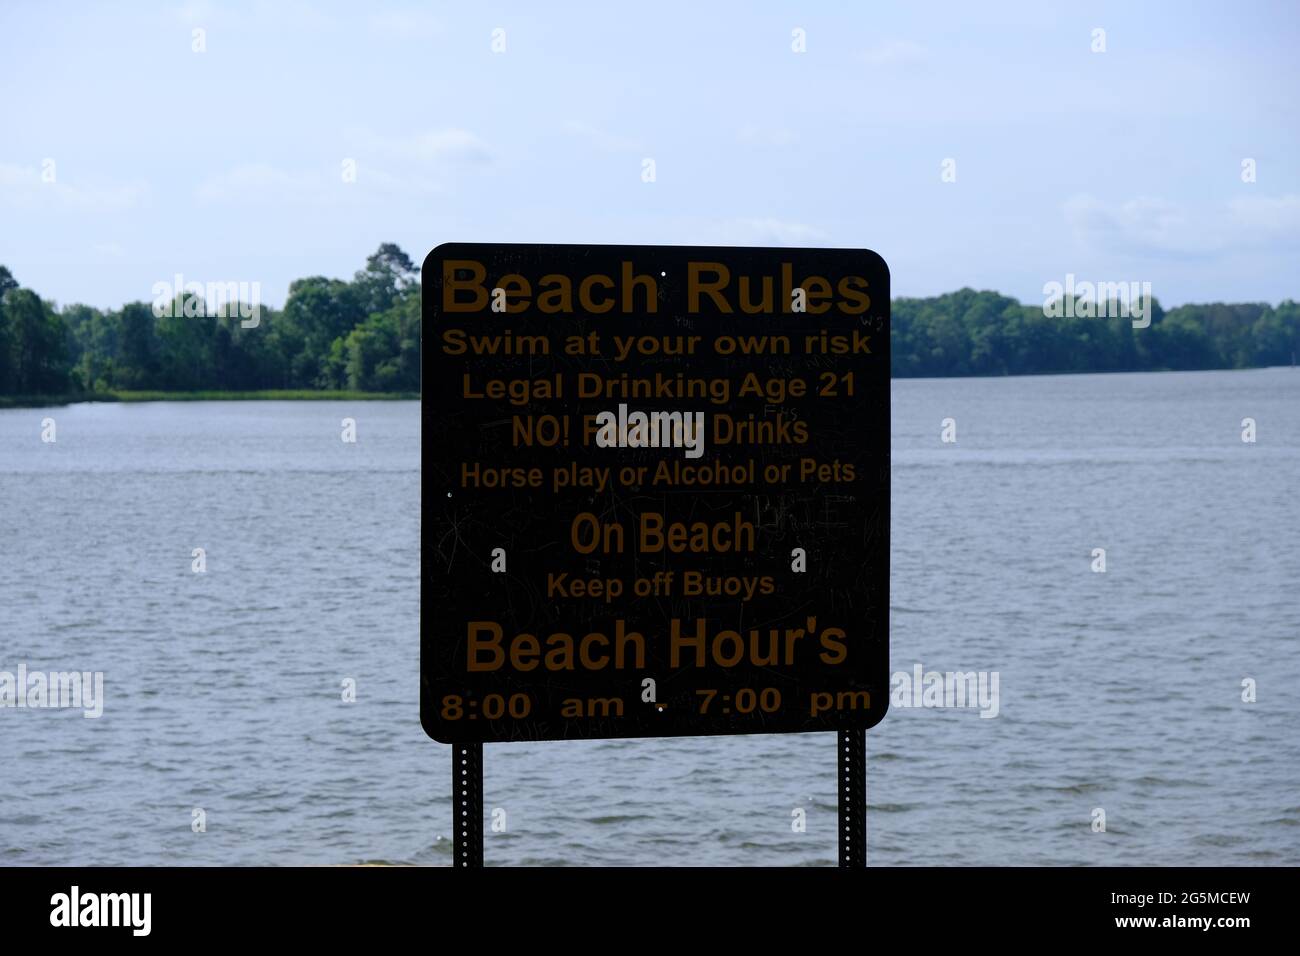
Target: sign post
(655, 500)
(853, 797)
(467, 798)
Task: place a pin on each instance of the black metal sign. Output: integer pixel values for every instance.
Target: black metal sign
(655, 491)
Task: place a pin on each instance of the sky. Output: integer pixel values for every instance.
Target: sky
(983, 145)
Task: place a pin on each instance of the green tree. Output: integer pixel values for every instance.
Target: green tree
(318, 311)
(37, 345)
(136, 363)
(388, 273)
(7, 383)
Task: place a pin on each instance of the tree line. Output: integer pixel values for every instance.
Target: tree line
(364, 335)
(983, 333)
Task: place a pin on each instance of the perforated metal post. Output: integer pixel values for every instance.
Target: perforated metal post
(467, 803)
(853, 797)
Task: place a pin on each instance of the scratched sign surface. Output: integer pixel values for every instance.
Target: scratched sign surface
(655, 491)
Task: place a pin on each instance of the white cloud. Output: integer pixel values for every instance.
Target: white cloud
(194, 10)
(406, 23)
(263, 183)
(259, 181)
(22, 186)
(768, 231)
(766, 136)
(602, 140)
(1149, 226)
(298, 15)
(1268, 217)
(894, 53)
(109, 250)
(420, 163)
(1135, 225)
(446, 146)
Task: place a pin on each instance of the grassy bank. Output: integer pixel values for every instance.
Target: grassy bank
(292, 394)
(287, 394)
(40, 401)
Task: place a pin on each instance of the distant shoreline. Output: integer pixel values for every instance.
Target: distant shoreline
(319, 395)
(279, 395)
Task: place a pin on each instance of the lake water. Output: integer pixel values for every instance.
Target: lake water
(1120, 691)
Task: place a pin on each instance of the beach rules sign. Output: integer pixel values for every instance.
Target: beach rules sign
(655, 491)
